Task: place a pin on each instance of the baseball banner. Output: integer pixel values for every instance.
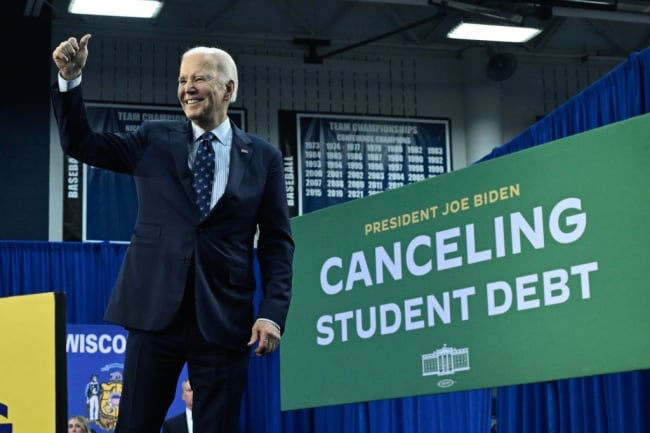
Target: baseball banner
(334, 158)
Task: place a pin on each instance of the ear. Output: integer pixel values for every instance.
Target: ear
(230, 88)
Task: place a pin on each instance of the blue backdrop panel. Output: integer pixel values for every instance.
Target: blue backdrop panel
(98, 350)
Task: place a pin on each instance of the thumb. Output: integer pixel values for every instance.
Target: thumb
(254, 337)
(83, 42)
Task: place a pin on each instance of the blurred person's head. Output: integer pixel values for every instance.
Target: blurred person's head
(187, 394)
(78, 424)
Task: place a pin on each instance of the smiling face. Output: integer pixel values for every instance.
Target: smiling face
(204, 95)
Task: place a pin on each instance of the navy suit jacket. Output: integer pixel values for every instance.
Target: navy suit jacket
(176, 424)
(169, 238)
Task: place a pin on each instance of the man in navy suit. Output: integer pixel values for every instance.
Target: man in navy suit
(186, 287)
(183, 422)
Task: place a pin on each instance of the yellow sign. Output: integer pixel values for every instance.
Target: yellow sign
(28, 364)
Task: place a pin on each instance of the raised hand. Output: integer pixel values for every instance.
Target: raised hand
(70, 56)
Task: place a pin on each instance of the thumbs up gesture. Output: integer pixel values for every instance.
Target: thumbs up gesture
(70, 56)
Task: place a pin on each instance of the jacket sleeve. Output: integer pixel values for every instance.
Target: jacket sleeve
(275, 246)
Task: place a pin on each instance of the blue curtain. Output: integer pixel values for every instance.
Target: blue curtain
(85, 272)
(622, 93)
(611, 403)
(614, 403)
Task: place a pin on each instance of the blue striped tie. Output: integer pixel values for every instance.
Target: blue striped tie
(203, 171)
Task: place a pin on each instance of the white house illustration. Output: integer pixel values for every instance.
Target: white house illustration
(445, 361)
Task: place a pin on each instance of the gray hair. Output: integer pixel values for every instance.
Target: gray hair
(226, 66)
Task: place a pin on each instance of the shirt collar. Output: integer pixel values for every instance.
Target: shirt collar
(223, 132)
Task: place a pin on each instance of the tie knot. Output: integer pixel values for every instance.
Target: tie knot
(208, 136)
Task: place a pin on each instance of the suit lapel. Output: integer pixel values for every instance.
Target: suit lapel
(179, 140)
(240, 156)
(184, 419)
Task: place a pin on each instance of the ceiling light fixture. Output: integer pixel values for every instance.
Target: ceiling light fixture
(603, 3)
(493, 33)
(116, 8)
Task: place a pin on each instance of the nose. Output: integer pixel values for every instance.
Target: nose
(187, 86)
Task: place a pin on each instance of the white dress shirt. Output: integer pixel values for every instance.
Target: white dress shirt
(221, 146)
(190, 421)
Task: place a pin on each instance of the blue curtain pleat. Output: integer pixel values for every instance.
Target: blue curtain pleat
(525, 408)
(631, 396)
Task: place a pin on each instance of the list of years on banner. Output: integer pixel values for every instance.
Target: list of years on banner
(359, 159)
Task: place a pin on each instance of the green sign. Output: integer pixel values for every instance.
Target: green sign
(526, 268)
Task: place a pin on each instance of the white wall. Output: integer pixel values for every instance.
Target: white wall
(371, 80)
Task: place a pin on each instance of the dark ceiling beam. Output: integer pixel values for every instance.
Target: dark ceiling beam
(314, 57)
(390, 12)
(602, 5)
(486, 9)
(341, 11)
(33, 8)
(432, 31)
(212, 23)
(296, 18)
(602, 15)
(607, 35)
